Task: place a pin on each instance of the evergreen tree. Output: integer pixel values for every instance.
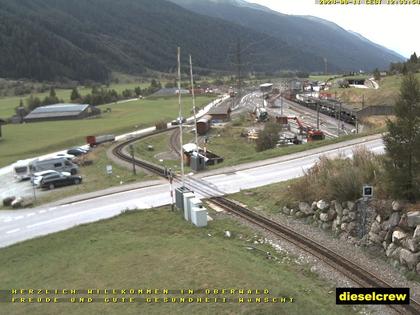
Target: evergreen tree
(402, 142)
(75, 95)
(52, 93)
(404, 70)
(377, 74)
(413, 58)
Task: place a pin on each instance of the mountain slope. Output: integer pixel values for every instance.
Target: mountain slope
(54, 39)
(343, 50)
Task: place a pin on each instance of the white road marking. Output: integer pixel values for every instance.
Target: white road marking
(42, 211)
(51, 209)
(12, 231)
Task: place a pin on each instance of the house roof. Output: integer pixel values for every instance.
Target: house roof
(57, 110)
(222, 109)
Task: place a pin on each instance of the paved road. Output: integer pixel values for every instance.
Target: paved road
(16, 226)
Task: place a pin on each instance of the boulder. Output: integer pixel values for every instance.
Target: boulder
(403, 222)
(322, 205)
(351, 205)
(394, 219)
(292, 211)
(375, 238)
(391, 249)
(378, 218)
(412, 244)
(418, 268)
(7, 202)
(313, 206)
(382, 234)
(346, 212)
(416, 234)
(352, 216)
(350, 227)
(286, 210)
(338, 208)
(396, 206)
(17, 203)
(408, 258)
(326, 226)
(345, 219)
(375, 227)
(336, 224)
(413, 218)
(305, 208)
(343, 226)
(388, 236)
(300, 215)
(327, 216)
(398, 236)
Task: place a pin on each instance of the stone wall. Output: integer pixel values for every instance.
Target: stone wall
(384, 225)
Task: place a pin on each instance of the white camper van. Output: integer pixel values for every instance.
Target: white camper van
(59, 164)
(22, 171)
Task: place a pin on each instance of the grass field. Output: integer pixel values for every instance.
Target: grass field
(8, 104)
(27, 140)
(386, 94)
(157, 249)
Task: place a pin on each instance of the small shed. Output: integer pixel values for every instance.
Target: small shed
(61, 112)
(221, 112)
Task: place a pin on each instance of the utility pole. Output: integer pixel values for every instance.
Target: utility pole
(281, 100)
(326, 66)
(239, 61)
(171, 178)
(338, 119)
(181, 152)
(132, 158)
(317, 115)
(193, 99)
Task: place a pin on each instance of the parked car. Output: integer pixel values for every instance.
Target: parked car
(77, 151)
(66, 156)
(60, 164)
(57, 180)
(37, 177)
(178, 120)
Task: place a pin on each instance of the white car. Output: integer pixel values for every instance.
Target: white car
(37, 177)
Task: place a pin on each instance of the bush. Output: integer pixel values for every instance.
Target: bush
(268, 138)
(340, 179)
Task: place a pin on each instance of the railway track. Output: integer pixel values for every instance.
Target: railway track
(174, 141)
(356, 273)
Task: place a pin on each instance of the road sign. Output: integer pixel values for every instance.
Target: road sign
(367, 191)
(109, 169)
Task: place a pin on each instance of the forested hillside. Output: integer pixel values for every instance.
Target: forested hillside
(52, 39)
(344, 50)
(87, 40)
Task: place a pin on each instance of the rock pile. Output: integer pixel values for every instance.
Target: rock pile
(384, 225)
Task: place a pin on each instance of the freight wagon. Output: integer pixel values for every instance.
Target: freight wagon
(203, 125)
(95, 140)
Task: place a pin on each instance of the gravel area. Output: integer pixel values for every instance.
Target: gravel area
(374, 263)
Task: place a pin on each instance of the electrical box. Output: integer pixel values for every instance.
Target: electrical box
(197, 163)
(179, 197)
(187, 205)
(199, 216)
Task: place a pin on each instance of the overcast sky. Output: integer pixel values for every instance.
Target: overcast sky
(396, 27)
